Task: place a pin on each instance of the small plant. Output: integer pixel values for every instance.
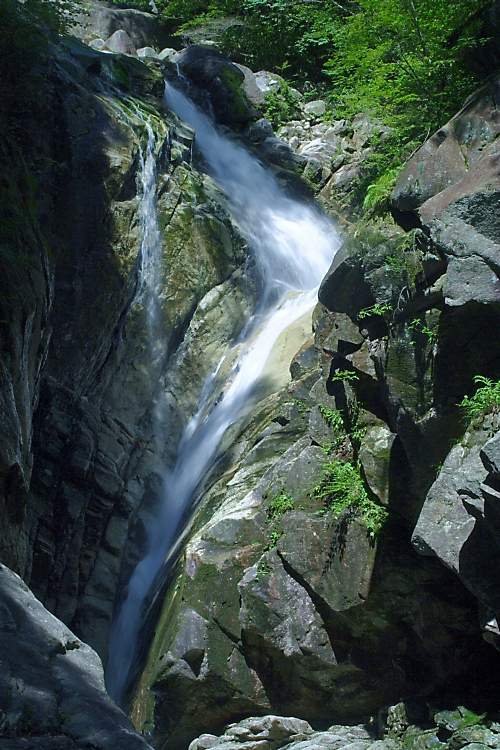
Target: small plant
(378, 310)
(273, 539)
(357, 436)
(278, 506)
(378, 194)
(302, 407)
(341, 488)
(263, 569)
(332, 417)
(347, 376)
(329, 447)
(420, 327)
(485, 400)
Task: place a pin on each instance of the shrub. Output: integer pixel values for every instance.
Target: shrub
(378, 310)
(484, 401)
(280, 106)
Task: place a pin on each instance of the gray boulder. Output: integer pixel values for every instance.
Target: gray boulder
(51, 683)
(268, 82)
(253, 91)
(214, 74)
(96, 19)
(459, 522)
(147, 52)
(167, 53)
(453, 184)
(121, 42)
(315, 109)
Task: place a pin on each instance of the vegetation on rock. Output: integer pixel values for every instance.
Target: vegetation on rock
(484, 401)
(341, 488)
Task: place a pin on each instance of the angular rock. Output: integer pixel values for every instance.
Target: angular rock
(316, 108)
(121, 42)
(459, 522)
(148, 52)
(52, 683)
(224, 82)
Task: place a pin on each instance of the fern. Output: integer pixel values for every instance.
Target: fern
(484, 401)
(341, 488)
(378, 194)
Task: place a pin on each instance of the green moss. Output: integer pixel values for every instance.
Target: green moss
(469, 718)
(278, 506)
(233, 82)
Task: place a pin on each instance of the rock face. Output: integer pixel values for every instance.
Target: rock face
(453, 183)
(459, 522)
(52, 684)
(74, 478)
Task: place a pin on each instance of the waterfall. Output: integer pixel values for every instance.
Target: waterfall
(293, 245)
(151, 245)
(125, 627)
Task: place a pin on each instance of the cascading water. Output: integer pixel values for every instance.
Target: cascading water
(151, 244)
(126, 625)
(293, 245)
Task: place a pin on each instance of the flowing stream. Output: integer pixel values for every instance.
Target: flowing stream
(293, 245)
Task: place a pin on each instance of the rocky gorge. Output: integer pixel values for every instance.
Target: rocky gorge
(336, 584)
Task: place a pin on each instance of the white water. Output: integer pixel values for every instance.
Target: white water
(126, 625)
(151, 245)
(293, 245)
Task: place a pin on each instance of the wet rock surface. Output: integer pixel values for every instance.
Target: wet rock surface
(73, 483)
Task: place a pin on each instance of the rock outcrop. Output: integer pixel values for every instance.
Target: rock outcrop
(95, 19)
(213, 74)
(51, 683)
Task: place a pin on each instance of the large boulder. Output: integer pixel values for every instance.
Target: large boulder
(460, 522)
(52, 691)
(221, 79)
(120, 42)
(453, 185)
